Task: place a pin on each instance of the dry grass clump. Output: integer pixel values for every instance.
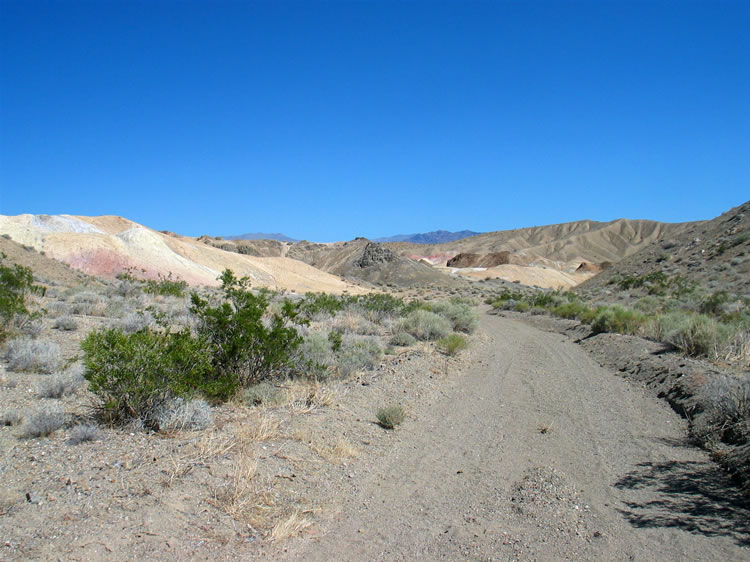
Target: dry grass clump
(290, 526)
(58, 386)
(390, 416)
(340, 452)
(65, 323)
(89, 303)
(30, 355)
(353, 321)
(263, 394)
(83, 433)
(241, 497)
(11, 417)
(179, 414)
(306, 397)
(43, 423)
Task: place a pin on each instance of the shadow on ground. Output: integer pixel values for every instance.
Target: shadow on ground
(694, 496)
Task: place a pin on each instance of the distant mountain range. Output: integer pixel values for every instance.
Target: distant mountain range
(435, 237)
(262, 236)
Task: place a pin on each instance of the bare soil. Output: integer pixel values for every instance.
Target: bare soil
(523, 447)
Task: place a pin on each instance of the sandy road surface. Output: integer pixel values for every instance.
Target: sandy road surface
(477, 478)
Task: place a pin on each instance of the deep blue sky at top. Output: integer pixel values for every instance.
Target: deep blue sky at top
(330, 120)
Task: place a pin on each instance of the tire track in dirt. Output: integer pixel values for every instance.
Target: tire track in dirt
(475, 477)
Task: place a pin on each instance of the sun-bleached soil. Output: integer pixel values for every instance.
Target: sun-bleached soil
(521, 448)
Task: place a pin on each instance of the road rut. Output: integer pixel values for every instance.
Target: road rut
(535, 452)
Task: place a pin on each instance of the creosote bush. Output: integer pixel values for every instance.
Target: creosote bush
(140, 375)
(16, 286)
(390, 416)
(134, 375)
(241, 345)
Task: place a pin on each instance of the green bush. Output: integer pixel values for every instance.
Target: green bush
(618, 320)
(390, 416)
(16, 285)
(316, 305)
(425, 325)
(452, 344)
(522, 306)
(242, 346)
(134, 375)
(166, 286)
(570, 310)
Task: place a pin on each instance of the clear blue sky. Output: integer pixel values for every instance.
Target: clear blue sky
(330, 120)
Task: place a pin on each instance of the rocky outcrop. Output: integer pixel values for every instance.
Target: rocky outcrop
(375, 254)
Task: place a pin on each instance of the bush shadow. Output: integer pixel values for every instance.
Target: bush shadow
(693, 496)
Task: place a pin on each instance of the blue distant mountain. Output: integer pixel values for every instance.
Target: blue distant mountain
(261, 236)
(436, 237)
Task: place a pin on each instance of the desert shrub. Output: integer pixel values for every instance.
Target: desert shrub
(649, 305)
(135, 322)
(390, 416)
(314, 355)
(570, 310)
(43, 423)
(727, 409)
(425, 325)
(352, 321)
(134, 375)
(11, 417)
(336, 339)
(57, 309)
(16, 286)
(316, 306)
(179, 414)
(89, 303)
(166, 286)
(29, 355)
(66, 323)
(619, 320)
(403, 339)
(262, 394)
(57, 386)
(358, 355)
(83, 433)
(714, 303)
(545, 299)
(461, 315)
(693, 334)
(522, 306)
(452, 344)
(241, 345)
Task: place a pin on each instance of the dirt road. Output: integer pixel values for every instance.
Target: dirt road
(536, 453)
